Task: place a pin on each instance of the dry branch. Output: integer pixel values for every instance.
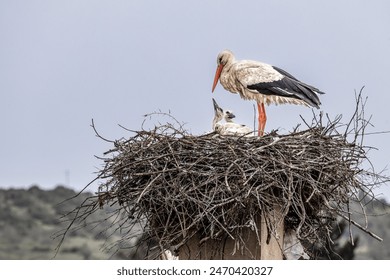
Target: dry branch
(177, 185)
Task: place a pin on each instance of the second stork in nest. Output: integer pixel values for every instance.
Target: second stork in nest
(229, 127)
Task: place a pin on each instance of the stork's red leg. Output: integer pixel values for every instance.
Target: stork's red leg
(260, 114)
(262, 118)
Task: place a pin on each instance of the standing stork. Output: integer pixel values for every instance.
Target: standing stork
(263, 83)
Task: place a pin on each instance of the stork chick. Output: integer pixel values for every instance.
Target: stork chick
(229, 127)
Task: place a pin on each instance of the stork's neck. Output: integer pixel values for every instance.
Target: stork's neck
(227, 78)
(215, 121)
(229, 120)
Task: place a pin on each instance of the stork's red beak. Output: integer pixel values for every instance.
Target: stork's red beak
(217, 75)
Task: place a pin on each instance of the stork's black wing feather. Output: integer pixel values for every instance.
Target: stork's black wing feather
(285, 73)
(290, 87)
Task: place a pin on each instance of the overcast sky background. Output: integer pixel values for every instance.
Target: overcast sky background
(63, 63)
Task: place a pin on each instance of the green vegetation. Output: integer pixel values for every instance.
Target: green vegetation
(30, 219)
(378, 217)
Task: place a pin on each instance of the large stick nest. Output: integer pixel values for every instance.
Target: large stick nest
(176, 185)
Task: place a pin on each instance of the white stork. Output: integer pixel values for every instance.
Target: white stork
(229, 127)
(263, 83)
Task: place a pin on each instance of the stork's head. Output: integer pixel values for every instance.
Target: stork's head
(229, 116)
(223, 58)
(220, 114)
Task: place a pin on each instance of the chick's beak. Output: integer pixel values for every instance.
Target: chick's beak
(231, 116)
(216, 107)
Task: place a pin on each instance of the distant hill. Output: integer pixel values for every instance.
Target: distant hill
(378, 217)
(30, 218)
(376, 220)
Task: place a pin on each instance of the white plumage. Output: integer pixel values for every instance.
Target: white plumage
(229, 127)
(292, 247)
(264, 83)
(167, 255)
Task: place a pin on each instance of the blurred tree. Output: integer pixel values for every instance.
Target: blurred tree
(338, 248)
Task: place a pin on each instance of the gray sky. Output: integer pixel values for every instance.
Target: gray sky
(63, 63)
